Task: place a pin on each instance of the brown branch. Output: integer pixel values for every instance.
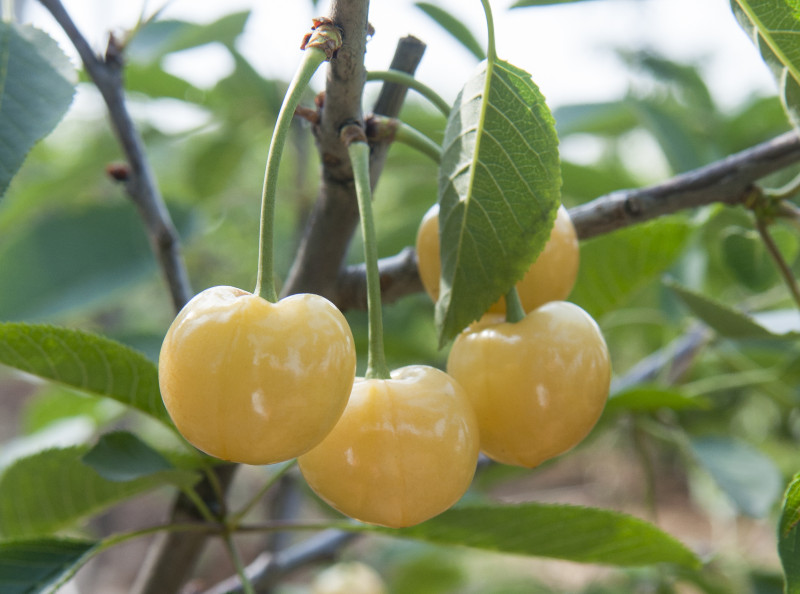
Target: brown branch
(335, 216)
(729, 181)
(140, 185)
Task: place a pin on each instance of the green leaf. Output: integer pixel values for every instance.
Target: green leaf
(54, 489)
(573, 533)
(612, 118)
(774, 27)
(159, 38)
(37, 82)
(749, 478)
(121, 456)
(54, 403)
(616, 265)
(749, 261)
(499, 188)
(72, 259)
(85, 362)
(725, 320)
(455, 27)
(30, 566)
(789, 536)
(644, 398)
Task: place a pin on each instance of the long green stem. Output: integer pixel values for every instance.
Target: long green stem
(233, 552)
(376, 360)
(234, 519)
(414, 138)
(491, 51)
(514, 310)
(265, 282)
(402, 78)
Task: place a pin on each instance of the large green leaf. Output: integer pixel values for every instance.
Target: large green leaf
(72, 259)
(30, 566)
(727, 321)
(37, 82)
(774, 28)
(54, 489)
(614, 266)
(650, 398)
(499, 187)
(573, 533)
(455, 27)
(86, 362)
(789, 536)
(749, 478)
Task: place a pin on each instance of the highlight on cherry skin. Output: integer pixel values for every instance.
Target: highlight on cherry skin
(550, 278)
(404, 451)
(538, 385)
(255, 382)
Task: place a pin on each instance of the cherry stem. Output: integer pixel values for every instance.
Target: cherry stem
(265, 281)
(376, 359)
(491, 51)
(403, 78)
(236, 558)
(417, 140)
(514, 310)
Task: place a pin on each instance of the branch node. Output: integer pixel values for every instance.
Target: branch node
(352, 132)
(324, 35)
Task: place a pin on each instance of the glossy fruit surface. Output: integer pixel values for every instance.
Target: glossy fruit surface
(256, 382)
(538, 386)
(550, 278)
(404, 450)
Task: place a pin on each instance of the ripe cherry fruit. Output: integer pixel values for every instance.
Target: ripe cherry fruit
(404, 450)
(538, 386)
(256, 382)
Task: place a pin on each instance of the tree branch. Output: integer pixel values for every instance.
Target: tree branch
(140, 185)
(729, 181)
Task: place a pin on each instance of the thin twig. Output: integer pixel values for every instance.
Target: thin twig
(729, 181)
(783, 267)
(106, 73)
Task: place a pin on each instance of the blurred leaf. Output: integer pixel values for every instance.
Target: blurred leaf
(678, 143)
(611, 118)
(499, 188)
(748, 259)
(121, 456)
(455, 27)
(616, 265)
(65, 433)
(789, 536)
(85, 362)
(54, 489)
(774, 27)
(30, 566)
(216, 163)
(583, 183)
(644, 398)
(72, 259)
(37, 82)
(572, 533)
(725, 320)
(748, 477)
(153, 81)
(55, 403)
(158, 38)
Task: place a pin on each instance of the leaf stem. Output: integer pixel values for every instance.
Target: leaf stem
(783, 267)
(265, 281)
(233, 552)
(491, 50)
(359, 158)
(412, 137)
(201, 506)
(236, 518)
(514, 310)
(402, 78)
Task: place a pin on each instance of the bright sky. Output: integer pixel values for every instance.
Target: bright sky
(568, 48)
